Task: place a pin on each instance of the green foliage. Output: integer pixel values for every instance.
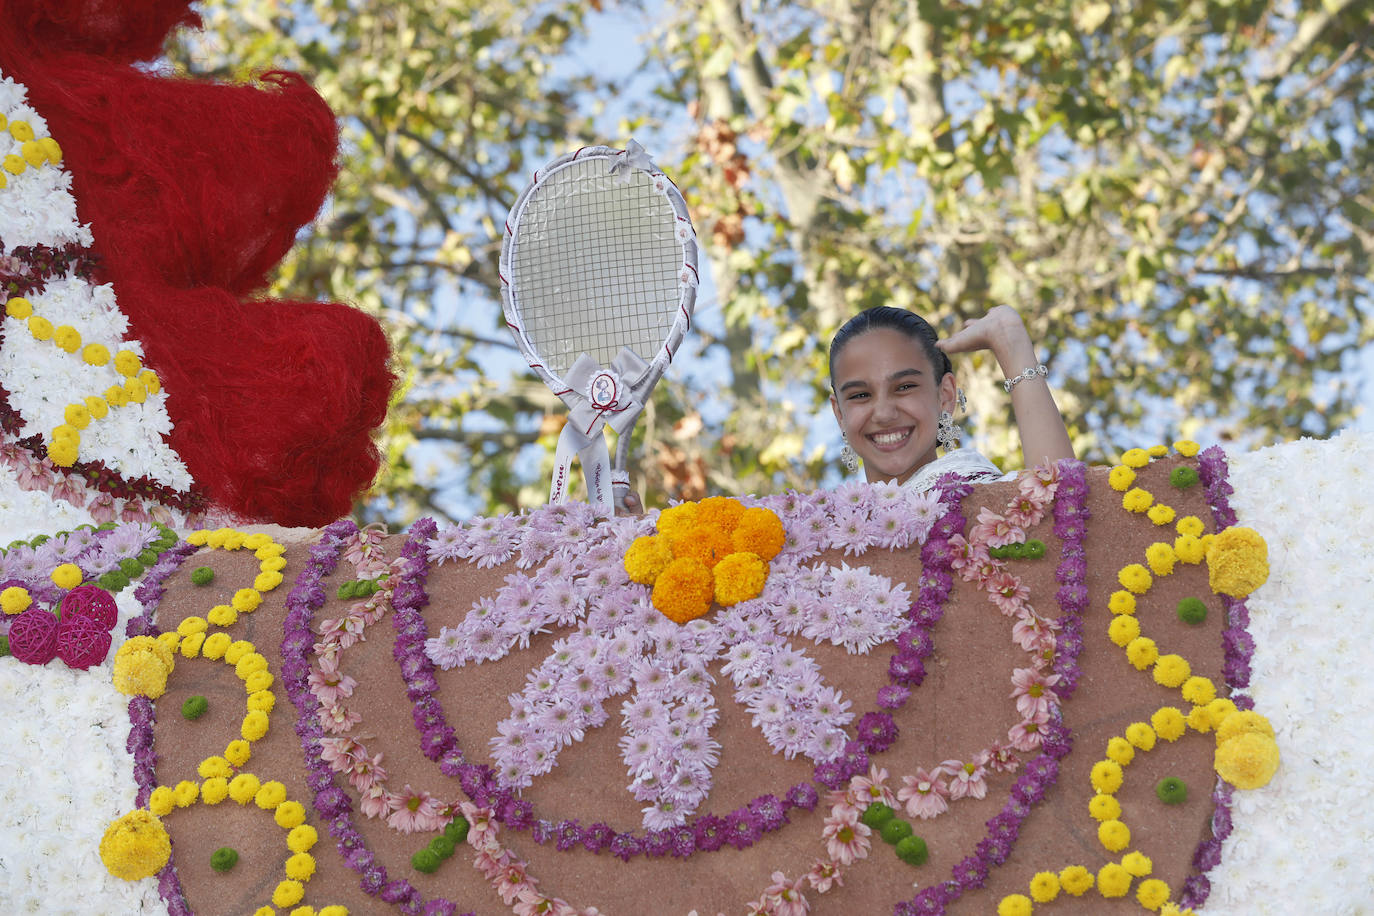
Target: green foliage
(1174, 194)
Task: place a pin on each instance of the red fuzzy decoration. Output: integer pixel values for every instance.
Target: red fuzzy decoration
(82, 642)
(194, 192)
(33, 636)
(93, 602)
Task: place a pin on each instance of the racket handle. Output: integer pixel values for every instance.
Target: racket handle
(620, 486)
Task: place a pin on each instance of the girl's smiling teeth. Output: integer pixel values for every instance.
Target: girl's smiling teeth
(891, 438)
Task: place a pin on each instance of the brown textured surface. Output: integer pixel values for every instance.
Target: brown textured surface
(963, 705)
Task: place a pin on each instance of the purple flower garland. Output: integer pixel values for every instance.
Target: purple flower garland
(331, 802)
(141, 714)
(1042, 772)
(1238, 646)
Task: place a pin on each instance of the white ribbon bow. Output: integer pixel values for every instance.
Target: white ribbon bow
(633, 156)
(599, 397)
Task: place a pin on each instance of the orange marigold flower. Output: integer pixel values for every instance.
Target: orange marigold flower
(759, 532)
(673, 518)
(724, 512)
(647, 557)
(684, 590)
(705, 543)
(739, 577)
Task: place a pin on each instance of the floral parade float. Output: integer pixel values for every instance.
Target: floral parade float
(1063, 693)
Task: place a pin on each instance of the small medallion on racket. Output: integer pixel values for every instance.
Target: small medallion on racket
(604, 391)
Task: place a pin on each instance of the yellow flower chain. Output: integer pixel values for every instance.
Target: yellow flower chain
(223, 776)
(1246, 754)
(34, 152)
(64, 447)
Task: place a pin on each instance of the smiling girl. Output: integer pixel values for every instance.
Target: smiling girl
(894, 394)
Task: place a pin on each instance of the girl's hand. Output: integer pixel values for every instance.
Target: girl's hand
(1001, 330)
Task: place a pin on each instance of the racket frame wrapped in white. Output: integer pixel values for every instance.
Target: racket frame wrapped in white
(632, 373)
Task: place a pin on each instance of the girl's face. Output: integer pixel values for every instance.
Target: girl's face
(888, 402)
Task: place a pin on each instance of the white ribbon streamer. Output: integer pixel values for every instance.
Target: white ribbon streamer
(633, 156)
(598, 397)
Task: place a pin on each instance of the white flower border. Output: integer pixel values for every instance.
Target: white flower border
(37, 208)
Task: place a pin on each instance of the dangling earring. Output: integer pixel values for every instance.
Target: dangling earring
(961, 400)
(946, 433)
(848, 457)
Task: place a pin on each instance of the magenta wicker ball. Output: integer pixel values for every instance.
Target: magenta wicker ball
(33, 636)
(91, 601)
(82, 641)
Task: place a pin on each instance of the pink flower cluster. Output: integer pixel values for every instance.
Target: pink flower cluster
(1033, 687)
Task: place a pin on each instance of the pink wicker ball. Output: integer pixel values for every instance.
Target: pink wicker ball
(82, 641)
(33, 636)
(93, 602)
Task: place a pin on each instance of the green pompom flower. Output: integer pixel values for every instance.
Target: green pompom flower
(442, 846)
(425, 861)
(202, 575)
(224, 858)
(1192, 610)
(194, 707)
(457, 829)
(912, 850)
(876, 814)
(1183, 477)
(1171, 790)
(894, 831)
(1034, 549)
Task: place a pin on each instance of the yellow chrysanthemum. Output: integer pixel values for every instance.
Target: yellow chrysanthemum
(1171, 670)
(1237, 562)
(1113, 880)
(270, 794)
(288, 893)
(40, 327)
(1169, 723)
(67, 338)
(127, 363)
(238, 752)
(1141, 735)
(1190, 524)
(1135, 578)
(1135, 458)
(1152, 894)
(290, 815)
(1137, 863)
(1121, 478)
(1186, 447)
(136, 846)
(1104, 808)
(1106, 776)
(1044, 887)
(19, 308)
(1160, 514)
(214, 790)
(1161, 558)
(76, 416)
(1137, 500)
(1237, 722)
(190, 645)
(1121, 603)
(1114, 836)
(1157, 451)
(264, 700)
(1123, 629)
(258, 681)
(1120, 750)
(300, 867)
(254, 725)
(1076, 880)
(67, 576)
(213, 767)
(302, 837)
(216, 643)
(246, 600)
(1247, 761)
(161, 801)
(1014, 905)
(1189, 549)
(186, 793)
(15, 599)
(95, 354)
(1141, 652)
(244, 787)
(222, 615)
(63, 453)
(1199, 690)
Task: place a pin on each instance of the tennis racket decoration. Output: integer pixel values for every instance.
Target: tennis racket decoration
(598, 283)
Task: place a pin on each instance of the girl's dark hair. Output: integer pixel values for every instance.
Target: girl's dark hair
(886, 316)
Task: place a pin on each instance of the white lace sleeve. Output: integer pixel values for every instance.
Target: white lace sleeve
(965, 462)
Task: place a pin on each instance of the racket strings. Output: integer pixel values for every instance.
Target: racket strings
(597, 266)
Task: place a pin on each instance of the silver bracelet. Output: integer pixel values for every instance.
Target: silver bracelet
(1030, 373)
